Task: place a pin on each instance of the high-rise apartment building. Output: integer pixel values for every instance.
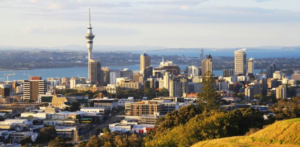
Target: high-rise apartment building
(227, 72)
(251, 66)
(281, 92)
(145, 61)
(33, 88)
(240, 62)
(207, 65)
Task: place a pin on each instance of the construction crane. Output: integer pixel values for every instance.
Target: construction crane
(7, 76)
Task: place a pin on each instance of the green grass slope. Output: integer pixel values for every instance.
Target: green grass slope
(284, 133)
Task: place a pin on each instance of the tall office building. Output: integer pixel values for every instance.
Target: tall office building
(227, 72)
(201, 55)
(207, 65)
(271, 69)
(114, 74)
(240, 62)
(145, 61)
(193, 71)
(127, 73)
(147, 72)
(251, 66)
(94, 72)
(74, 82)
(99, 73)
(33, 88)
(106, 76)
(167, 78)
(175, 88)
(277, 75)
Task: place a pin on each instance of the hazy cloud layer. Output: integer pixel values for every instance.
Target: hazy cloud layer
(170, 23)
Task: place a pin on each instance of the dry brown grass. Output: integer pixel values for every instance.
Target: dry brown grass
(280, 134)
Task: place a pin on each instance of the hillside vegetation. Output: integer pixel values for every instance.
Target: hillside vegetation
(284, 133)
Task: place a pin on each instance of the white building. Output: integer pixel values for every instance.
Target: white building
(100, 110)
(114, 74)
(193, 71)
(277, 75)
(34, 114)
(240, 62)
(111, 88)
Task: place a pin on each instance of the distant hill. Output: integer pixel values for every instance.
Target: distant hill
(284, 133)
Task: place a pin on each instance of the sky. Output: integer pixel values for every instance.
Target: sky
(163, 23)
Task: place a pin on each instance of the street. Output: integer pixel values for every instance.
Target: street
(101, 126)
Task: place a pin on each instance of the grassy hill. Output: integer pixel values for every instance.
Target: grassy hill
(280, 134)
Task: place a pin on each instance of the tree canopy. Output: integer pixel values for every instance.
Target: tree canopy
(208, 98)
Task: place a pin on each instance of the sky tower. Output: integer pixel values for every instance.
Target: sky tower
(89, 36)
(93, 65)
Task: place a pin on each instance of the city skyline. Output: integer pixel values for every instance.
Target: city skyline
(179, 23)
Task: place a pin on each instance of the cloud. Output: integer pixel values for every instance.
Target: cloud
(260, 1)
(70, 30)
(174, 2)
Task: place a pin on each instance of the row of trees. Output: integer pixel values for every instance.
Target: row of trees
(109, 139)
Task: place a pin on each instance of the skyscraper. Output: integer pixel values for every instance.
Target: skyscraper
(193, 71)
(271, 69)
(240, 62)
(251, 65)
(201, 55)
(207, 65)
(106, 76)
(145, 61)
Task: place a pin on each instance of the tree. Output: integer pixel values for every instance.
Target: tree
(120, 141)
(82, 144)
(59, 142)
(135, 141)
(46, 134)
(75, 106)
(26, 140)
(94, 142)
(119, 91)
(286, 109)
(208, 98)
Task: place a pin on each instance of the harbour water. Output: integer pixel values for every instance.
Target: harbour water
(70, 72)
